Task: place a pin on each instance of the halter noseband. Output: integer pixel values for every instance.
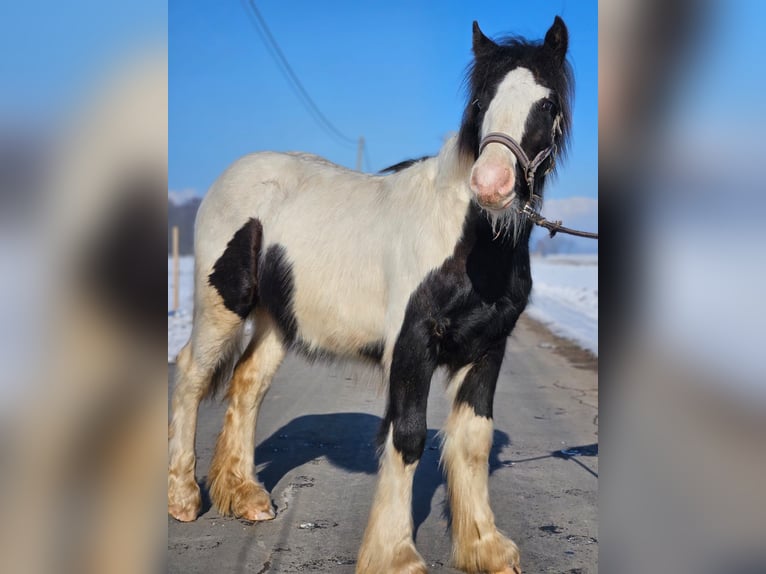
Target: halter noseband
(531, 207)
(529, 167)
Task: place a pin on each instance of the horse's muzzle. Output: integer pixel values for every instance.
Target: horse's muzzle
(493, 180)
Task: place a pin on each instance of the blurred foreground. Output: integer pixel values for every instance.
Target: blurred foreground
(683, 410)
(83, 180)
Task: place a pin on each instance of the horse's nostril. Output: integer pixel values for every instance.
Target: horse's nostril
(492, 180)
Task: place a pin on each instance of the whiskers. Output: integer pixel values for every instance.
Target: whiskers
(508, 223)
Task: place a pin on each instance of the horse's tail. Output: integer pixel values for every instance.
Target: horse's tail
(234, 279)
(224, 369)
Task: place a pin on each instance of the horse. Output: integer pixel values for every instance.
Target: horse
(423, 266)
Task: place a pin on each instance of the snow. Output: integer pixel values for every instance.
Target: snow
(181, 196)
(564, 298)
(179, 323)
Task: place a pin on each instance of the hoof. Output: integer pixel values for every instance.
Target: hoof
(409, 568)
(494, 554)
(412, 569)
(403, 560)
(419, 568)
(245, 499)
(255, 515)
(252, 502)
(183, 514)
(409, 562)
(184, 503)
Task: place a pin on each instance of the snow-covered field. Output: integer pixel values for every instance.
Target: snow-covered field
(179, 324)
(564, 297)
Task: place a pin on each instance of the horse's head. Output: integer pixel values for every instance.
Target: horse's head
(517, 117)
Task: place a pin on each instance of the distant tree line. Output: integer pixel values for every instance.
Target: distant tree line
(547, 245)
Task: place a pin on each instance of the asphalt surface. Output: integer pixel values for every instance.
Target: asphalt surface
(316, 455)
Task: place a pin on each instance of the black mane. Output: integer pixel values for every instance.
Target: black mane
(402, 165)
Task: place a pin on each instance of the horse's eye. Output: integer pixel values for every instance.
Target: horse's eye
(549, 106)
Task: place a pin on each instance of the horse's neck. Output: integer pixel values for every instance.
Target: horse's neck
(452, 171)
(440, 181)
(451, 178)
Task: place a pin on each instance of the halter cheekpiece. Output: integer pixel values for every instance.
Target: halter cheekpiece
(529, 167)
(532, 206)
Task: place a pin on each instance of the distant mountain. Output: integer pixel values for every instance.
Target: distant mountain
(181, 212)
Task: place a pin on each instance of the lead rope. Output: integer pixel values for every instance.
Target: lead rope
(530, 208)
(553, 227)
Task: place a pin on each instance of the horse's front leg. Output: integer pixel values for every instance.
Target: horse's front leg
(477, 545)
(387, 547)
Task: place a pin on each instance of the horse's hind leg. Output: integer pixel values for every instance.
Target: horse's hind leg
(233, 487)
(223, 300)
(214, 335)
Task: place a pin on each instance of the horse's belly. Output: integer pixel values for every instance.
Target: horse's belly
(342, 313)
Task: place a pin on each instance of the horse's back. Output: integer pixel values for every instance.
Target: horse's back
(320, 223)
(269, 187)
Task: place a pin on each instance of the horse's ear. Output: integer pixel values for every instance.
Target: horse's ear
(557, 40)
(481, 44)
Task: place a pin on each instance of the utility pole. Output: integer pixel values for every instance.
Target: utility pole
(360, 153)
(175, 269)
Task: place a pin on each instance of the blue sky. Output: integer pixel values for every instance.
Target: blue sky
(391, 72)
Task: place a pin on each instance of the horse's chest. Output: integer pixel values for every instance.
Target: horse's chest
(465, 315)
(462, 334)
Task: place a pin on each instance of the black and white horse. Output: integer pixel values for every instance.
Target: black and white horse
(425, 267)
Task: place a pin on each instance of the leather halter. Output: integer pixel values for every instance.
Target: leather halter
(529, 167)
(532, 206)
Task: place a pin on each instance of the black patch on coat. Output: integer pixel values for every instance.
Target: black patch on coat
(235, 273)
(373, 351)
(277, 288)
(312, 354)
(412, 367)
(478, 387)
(473, 300)
(462, 313)
(402, 165)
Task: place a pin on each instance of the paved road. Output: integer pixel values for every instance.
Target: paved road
(316, 455)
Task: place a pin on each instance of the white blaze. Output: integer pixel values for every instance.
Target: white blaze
(493, 174)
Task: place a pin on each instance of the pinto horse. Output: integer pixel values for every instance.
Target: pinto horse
(425, 267)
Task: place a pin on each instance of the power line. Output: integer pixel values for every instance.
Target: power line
(284, 66)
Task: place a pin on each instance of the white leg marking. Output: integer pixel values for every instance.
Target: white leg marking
(477, 546)
(387, 545)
